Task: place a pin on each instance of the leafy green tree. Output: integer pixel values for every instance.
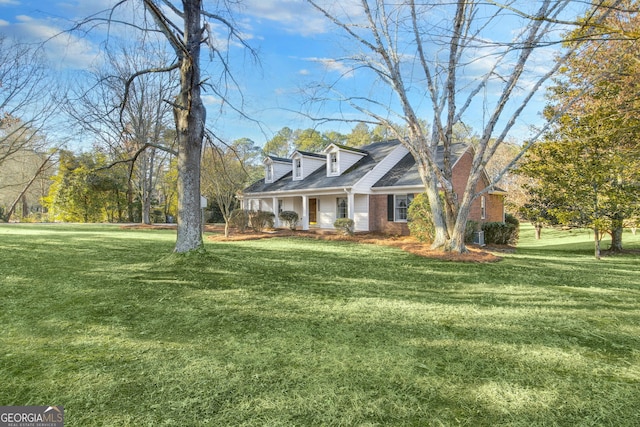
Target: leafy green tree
(335, 137)
(167, 190)
(281, 144)
(84, 190)
(589, 165)
(380, 133)
(538, 209)
(586, 180)
(309, 140)
(359, 136)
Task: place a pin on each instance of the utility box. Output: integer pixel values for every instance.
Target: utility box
(478, 238)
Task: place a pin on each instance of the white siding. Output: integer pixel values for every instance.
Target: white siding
(253, 204)
(280, 169)
(287, 204)
(326, 211)
(367, 181)
(347, 159)
(361, 212)
(310, 165)
(296, 206)
(266, 205)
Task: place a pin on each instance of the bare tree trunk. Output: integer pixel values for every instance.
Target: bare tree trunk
(538, 228)
(147, 190)
(456, 242)
(616, 236)
(596, 233)
(431, 189)
(190, 116)
(130, 200)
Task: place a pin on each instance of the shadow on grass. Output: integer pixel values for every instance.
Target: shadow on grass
(316, 333)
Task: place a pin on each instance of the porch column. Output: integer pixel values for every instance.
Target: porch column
(305, 212)
(274, 205)
(351, 205)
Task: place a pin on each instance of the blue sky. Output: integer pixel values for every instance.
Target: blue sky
(294, 42)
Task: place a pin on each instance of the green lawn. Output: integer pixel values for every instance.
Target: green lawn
(284, 332)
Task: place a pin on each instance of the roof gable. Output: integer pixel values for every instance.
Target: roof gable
(405, 172)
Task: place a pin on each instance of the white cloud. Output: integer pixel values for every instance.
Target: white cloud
(9, 2)
(295, 16)
(332, 65)
(304, 72)
(211, 100)
(65, 50)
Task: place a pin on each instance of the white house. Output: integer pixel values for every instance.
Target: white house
(373, 185)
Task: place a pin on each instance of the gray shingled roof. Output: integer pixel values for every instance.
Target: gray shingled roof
(310, 154)
(405, 172)
(280, 159)
(319, 179)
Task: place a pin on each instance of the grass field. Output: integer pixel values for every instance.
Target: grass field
(285, 332)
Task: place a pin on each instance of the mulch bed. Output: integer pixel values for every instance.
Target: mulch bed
(406, 243)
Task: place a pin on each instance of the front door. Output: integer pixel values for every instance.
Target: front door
(313, 210)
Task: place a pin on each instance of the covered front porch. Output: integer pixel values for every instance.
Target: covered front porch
(316, 211)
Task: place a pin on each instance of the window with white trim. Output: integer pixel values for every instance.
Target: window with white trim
(483, 207)
(401, 206)
(342, 207)
(297, 168)
(333, 163)
(268, 172)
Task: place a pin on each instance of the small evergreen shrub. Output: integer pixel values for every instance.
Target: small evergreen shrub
(261, 220)
(239, 219)
(500, 233)
(290, 218)
(419, 219)
(344, 226)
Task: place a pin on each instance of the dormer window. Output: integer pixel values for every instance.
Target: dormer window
(275, 168)
(297, 168)
(333, 163)
(340, 158)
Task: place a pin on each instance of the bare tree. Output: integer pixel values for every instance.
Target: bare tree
(45, 162)
(186, 25)
(448, 55)
(25, 104)
(228, 168)
(130, 118)
(188, 108)
(26, 108)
